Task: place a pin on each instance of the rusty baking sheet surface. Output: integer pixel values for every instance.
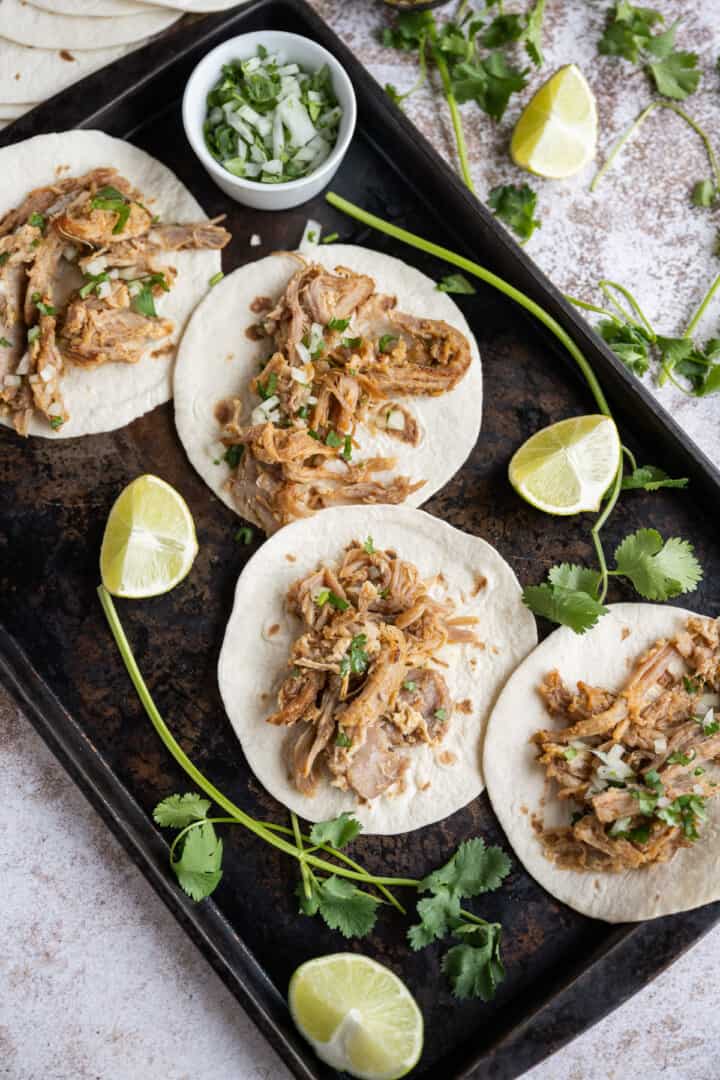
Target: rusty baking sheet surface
(563, 971)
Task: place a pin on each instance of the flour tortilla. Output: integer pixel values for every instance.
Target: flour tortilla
(216, 360)
(43, 30)
(110, 396)
(254, 662)
(28, 75)
(12, 112)
(90, 7)
(516, 785)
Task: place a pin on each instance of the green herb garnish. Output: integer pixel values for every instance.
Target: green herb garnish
(216, 278)
(244, 535)
(515, 206)
(341, 739)
(456, 283)
(338, 324)
(233, 454)
(386, 342)
(109, 198)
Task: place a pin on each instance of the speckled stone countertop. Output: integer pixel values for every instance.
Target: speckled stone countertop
(97, 982)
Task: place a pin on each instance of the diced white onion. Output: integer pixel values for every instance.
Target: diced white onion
(55, 409)
(127, 273)
(312, 400)
(104, 289)
(216, 450)
(278, 135)
(23, 367)
(273, 168)
(134, 288)
(252, 169)
(698, 789)
(96, 265)
(33, 379)
(251, 65)
(660, 745)
(255, 240)
(295, 117)
(316, 337)
(12, 380)
(289, 69)
(47, 373)
(708, 718)
(303, 352)
(70, 252)
(299, 376)
(258, 155)
(395, 420)
(311, 234)
(613, 767)
(113, 274)
(263, 124)
(663, 801)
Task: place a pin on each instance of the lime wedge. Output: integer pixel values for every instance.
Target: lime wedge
(567, 468)
(556, 134)
(149, 543)
(358, 1016)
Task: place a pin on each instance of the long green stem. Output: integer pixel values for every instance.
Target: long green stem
(304, 870)
(702, 307)
(587, 306)
(485, 275)
(606, 285)
(174, 748)
(637, 123)
(597, 527)
(442, 67)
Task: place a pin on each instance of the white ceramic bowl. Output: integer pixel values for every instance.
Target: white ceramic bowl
(297, 50)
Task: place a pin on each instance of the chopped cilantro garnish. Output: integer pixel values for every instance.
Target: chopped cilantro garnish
(268, 388)
(244, 535)
(333, 439)
(691, 687)
(647, 801)
(312, 236)
(440, 714)
(330, 238)
(515, 206)
(456, 283)
(91, 283)
(4, 256)
(38, 221)
(109, 198)
(386, 342)
(56, 422)
(346, 453)
(679, 758)
(356, 660)
(570, 754)
(303, 412)
(410, 686)
(699, 771)
(369, 546)
(313, 434)
(341, 739)
(327, 596)
(652, 779)
(232, 455)
(215, 278)
(338, 324)
(32, 334)
(351, 342)
(5, 343)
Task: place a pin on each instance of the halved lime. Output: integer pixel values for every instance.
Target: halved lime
(567, 468)
(556, 134)
(149, 543)
(357, 1015)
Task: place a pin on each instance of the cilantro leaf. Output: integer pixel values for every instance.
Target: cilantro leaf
(571, 607)
(438, 914)
(574, 577)
(472, 870)
(198, 868)
(489, 82)
(532, 34)
(475, 968)
(659, 571)
(503, 30)
(337, 832)
(456, 283)
(515, 206)
(409, 29)
(177, 811)
(341, 904)
(676, 76)
(651, 478)
(630, 343)
(628, 31)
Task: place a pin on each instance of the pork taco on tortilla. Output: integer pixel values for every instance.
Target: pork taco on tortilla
(365, 649)
(337, 378)
(103, 256)
(602, 762)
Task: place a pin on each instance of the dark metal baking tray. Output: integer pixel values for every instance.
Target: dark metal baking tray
(563, 971)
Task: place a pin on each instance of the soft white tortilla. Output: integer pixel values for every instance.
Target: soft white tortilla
(253, 662)
(110, 396)
(516, 785)
(12, 112)
(90, 7)
(36, 74)
(44, 30)
(216, 360)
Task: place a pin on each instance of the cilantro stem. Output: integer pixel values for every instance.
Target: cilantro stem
(194, 825)
(586, 306)
(636, 124)
(259, 828)
(606, 285)
(305, 873)
(702, 307)
(595, 531)
(442, 67)
(631, 458)
(487, 276)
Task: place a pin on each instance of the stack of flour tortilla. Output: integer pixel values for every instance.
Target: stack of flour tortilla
(46, 45)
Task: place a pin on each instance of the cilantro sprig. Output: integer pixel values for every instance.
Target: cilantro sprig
(333, 885)
(630, 33)
(515, 205)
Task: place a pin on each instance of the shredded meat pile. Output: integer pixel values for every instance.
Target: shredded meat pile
(94, 231)
(360, 690)
(340, 354)
(638, 765)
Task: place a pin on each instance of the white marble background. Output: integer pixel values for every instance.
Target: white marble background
(97, 982)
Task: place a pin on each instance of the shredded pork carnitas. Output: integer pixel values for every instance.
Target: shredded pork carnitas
(638, 765)
(361, 691)
(340, 354)
(78, 281)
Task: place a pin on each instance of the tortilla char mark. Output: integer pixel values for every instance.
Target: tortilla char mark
(79, 282)
(637, 766)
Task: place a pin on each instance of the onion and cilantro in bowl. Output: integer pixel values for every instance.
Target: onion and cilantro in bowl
(270, 115)
(271, 121)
